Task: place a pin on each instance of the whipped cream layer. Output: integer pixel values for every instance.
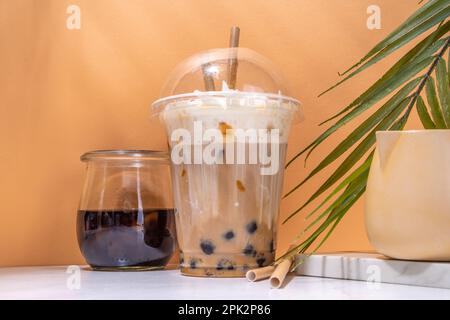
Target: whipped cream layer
(237, 110)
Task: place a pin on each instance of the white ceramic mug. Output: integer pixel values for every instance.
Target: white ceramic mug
(407, 211)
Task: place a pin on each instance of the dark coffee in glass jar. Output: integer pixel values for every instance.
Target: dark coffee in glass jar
(125, 219)
(133, 238)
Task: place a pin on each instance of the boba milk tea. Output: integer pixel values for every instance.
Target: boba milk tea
(228, 144)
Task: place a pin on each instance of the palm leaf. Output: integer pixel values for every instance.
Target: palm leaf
(354, 175)
(404, 81)
(338, 219)
(424, 49)
(443, 90)
(418, 17)
(365, 127)
(424, 116)
(348, 195)
(442, 13)
(335, 216)
(435, 108)
(340, 216)
(448, 66)
(354, 156)
(391, 80)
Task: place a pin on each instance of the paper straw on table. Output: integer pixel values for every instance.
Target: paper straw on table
(281, 270)
(259, 273)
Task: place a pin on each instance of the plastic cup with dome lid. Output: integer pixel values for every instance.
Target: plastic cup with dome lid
(227, 116)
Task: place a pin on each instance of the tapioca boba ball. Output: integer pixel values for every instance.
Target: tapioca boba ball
(228, 235)
(251, 227)
(260, 261)
(207, 247)
(193, 263)
(225, 264)
(249, 250)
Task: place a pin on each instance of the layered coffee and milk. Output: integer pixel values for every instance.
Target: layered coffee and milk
(228, 159)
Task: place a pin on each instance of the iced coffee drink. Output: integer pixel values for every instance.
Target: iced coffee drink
(228, 152)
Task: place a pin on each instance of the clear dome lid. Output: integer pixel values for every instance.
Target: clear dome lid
(224, 72)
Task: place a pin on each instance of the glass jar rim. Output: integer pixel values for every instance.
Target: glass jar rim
(122, 154)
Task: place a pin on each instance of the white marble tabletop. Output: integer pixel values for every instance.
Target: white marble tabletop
(59, 282)
(364, 266)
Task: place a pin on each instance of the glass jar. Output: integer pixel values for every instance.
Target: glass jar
(125, 219)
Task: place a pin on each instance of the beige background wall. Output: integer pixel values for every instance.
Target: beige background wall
(65, 92)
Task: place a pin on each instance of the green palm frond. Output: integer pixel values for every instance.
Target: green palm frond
(424, 116)
(421, 72)
(429, 15)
